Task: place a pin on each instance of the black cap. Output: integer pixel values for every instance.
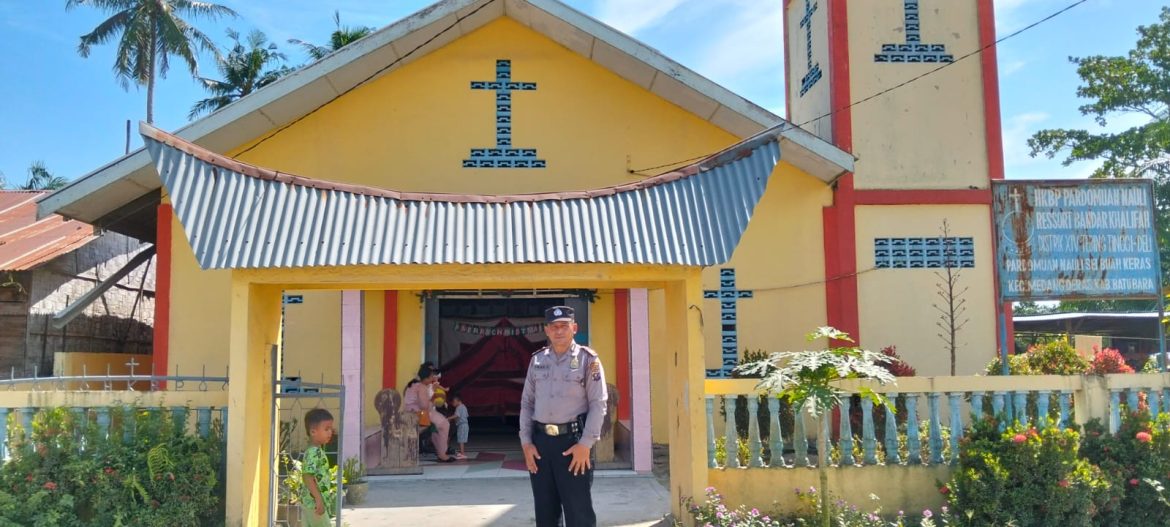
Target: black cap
(557, 313)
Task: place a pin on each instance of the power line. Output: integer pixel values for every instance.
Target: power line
(367, 79)
(899, 85)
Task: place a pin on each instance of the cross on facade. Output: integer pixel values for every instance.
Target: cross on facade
(503, 155)
(814, 70)
(913, 50)
(133, 362)
(728, 296)
(1016, 194)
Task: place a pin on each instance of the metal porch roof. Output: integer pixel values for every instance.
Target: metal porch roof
(238, 215)
(25, 241)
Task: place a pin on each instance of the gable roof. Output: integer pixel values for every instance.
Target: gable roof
(25, 241)
(237, 215)
(118, 196)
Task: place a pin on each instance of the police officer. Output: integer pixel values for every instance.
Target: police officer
(561, 412)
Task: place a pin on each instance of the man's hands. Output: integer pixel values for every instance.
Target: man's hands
(580, 462)
(530, 457)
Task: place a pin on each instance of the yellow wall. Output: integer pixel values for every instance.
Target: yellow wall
(410, 130)
(897, 305)
(601, 337)
(809, 110)
(200, 312)
(659, 355)
(411, 319)
(373, 309)
(900, 487)
(312, 337)
(781, 261)
(929, 134)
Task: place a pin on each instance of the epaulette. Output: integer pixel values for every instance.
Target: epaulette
(588, 350)
(539, 351)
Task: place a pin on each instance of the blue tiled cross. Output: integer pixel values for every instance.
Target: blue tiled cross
(503, 155)
(728, 296)
(814, 70)
(913, 50)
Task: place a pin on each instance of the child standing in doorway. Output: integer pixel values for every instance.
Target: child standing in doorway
(461, 425)
(318, 494)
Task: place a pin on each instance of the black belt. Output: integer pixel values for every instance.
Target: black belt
(554, 430)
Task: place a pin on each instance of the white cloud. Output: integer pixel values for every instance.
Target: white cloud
(750, 42)
(629, 16)
(1016, 131)
(1012, 67)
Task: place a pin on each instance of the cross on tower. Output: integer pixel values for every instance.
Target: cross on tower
(728, 296)
(913, 50)
(814, 70)
(503, 155)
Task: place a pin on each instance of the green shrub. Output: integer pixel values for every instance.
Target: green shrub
(66, 472)
(1051, 358)
(1025, 477)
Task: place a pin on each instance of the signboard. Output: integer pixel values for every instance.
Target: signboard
(1076, 239)
(294, 299)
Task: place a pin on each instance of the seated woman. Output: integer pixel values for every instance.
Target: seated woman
(418, 399)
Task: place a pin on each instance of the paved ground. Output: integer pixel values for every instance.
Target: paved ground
(620, 499)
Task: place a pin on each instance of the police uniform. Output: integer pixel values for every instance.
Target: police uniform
(564, 403)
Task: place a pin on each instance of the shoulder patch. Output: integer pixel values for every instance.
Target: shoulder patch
(595, 370)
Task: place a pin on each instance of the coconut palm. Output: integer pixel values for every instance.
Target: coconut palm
(39, 178)
(245, 69)
(341, 37)
(148, 33)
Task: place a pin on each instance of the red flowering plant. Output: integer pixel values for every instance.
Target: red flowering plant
(1024, 476)
(1108, 361)
(1140, 450)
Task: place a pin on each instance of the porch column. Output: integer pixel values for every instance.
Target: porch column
(640, 380)
(352, 350)
(254, 335)
(685, 371)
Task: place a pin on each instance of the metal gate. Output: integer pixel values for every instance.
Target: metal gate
(292, 397)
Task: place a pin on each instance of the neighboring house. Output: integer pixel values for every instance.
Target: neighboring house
(47, 268)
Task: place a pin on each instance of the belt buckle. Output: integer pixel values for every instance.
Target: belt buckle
(551, 430)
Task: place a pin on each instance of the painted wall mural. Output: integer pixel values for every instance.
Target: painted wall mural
(728, 297)
(913, 50)
(504, 155)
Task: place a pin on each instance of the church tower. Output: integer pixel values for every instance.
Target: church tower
(887, 81)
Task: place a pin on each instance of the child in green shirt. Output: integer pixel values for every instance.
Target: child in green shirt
(318, 494)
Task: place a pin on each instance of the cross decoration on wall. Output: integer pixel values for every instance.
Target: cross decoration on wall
(913, 50)
(728, 297)
(504, 155)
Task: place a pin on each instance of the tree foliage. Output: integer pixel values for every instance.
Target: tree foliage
(1137, 83)
(341, 37)
(245, 68)
(147, 34)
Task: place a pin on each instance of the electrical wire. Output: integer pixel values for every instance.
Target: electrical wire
(895, 87)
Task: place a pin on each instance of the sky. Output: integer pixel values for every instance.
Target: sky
(71, 113)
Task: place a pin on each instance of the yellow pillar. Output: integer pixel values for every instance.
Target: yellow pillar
(686, 412)
(254, 333)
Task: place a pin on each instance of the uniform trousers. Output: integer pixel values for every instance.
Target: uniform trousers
(555, 490)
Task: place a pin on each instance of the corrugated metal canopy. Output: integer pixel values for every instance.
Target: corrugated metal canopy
(241, 216)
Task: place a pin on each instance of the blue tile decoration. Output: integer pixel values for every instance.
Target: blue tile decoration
(503, 155)
(924, 253)
(728, 297)
(814, 70)
(913, 50)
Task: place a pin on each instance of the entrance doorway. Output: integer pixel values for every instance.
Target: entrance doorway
(482, 342)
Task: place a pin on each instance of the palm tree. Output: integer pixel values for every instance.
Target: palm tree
(149, 32)
(243, 71)
(39, 178)
(341, 37)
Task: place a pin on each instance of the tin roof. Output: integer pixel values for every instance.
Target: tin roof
(26, 242)
(109, 196)
(238, 215)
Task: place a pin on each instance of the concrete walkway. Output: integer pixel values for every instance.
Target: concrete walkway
(620, 499)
